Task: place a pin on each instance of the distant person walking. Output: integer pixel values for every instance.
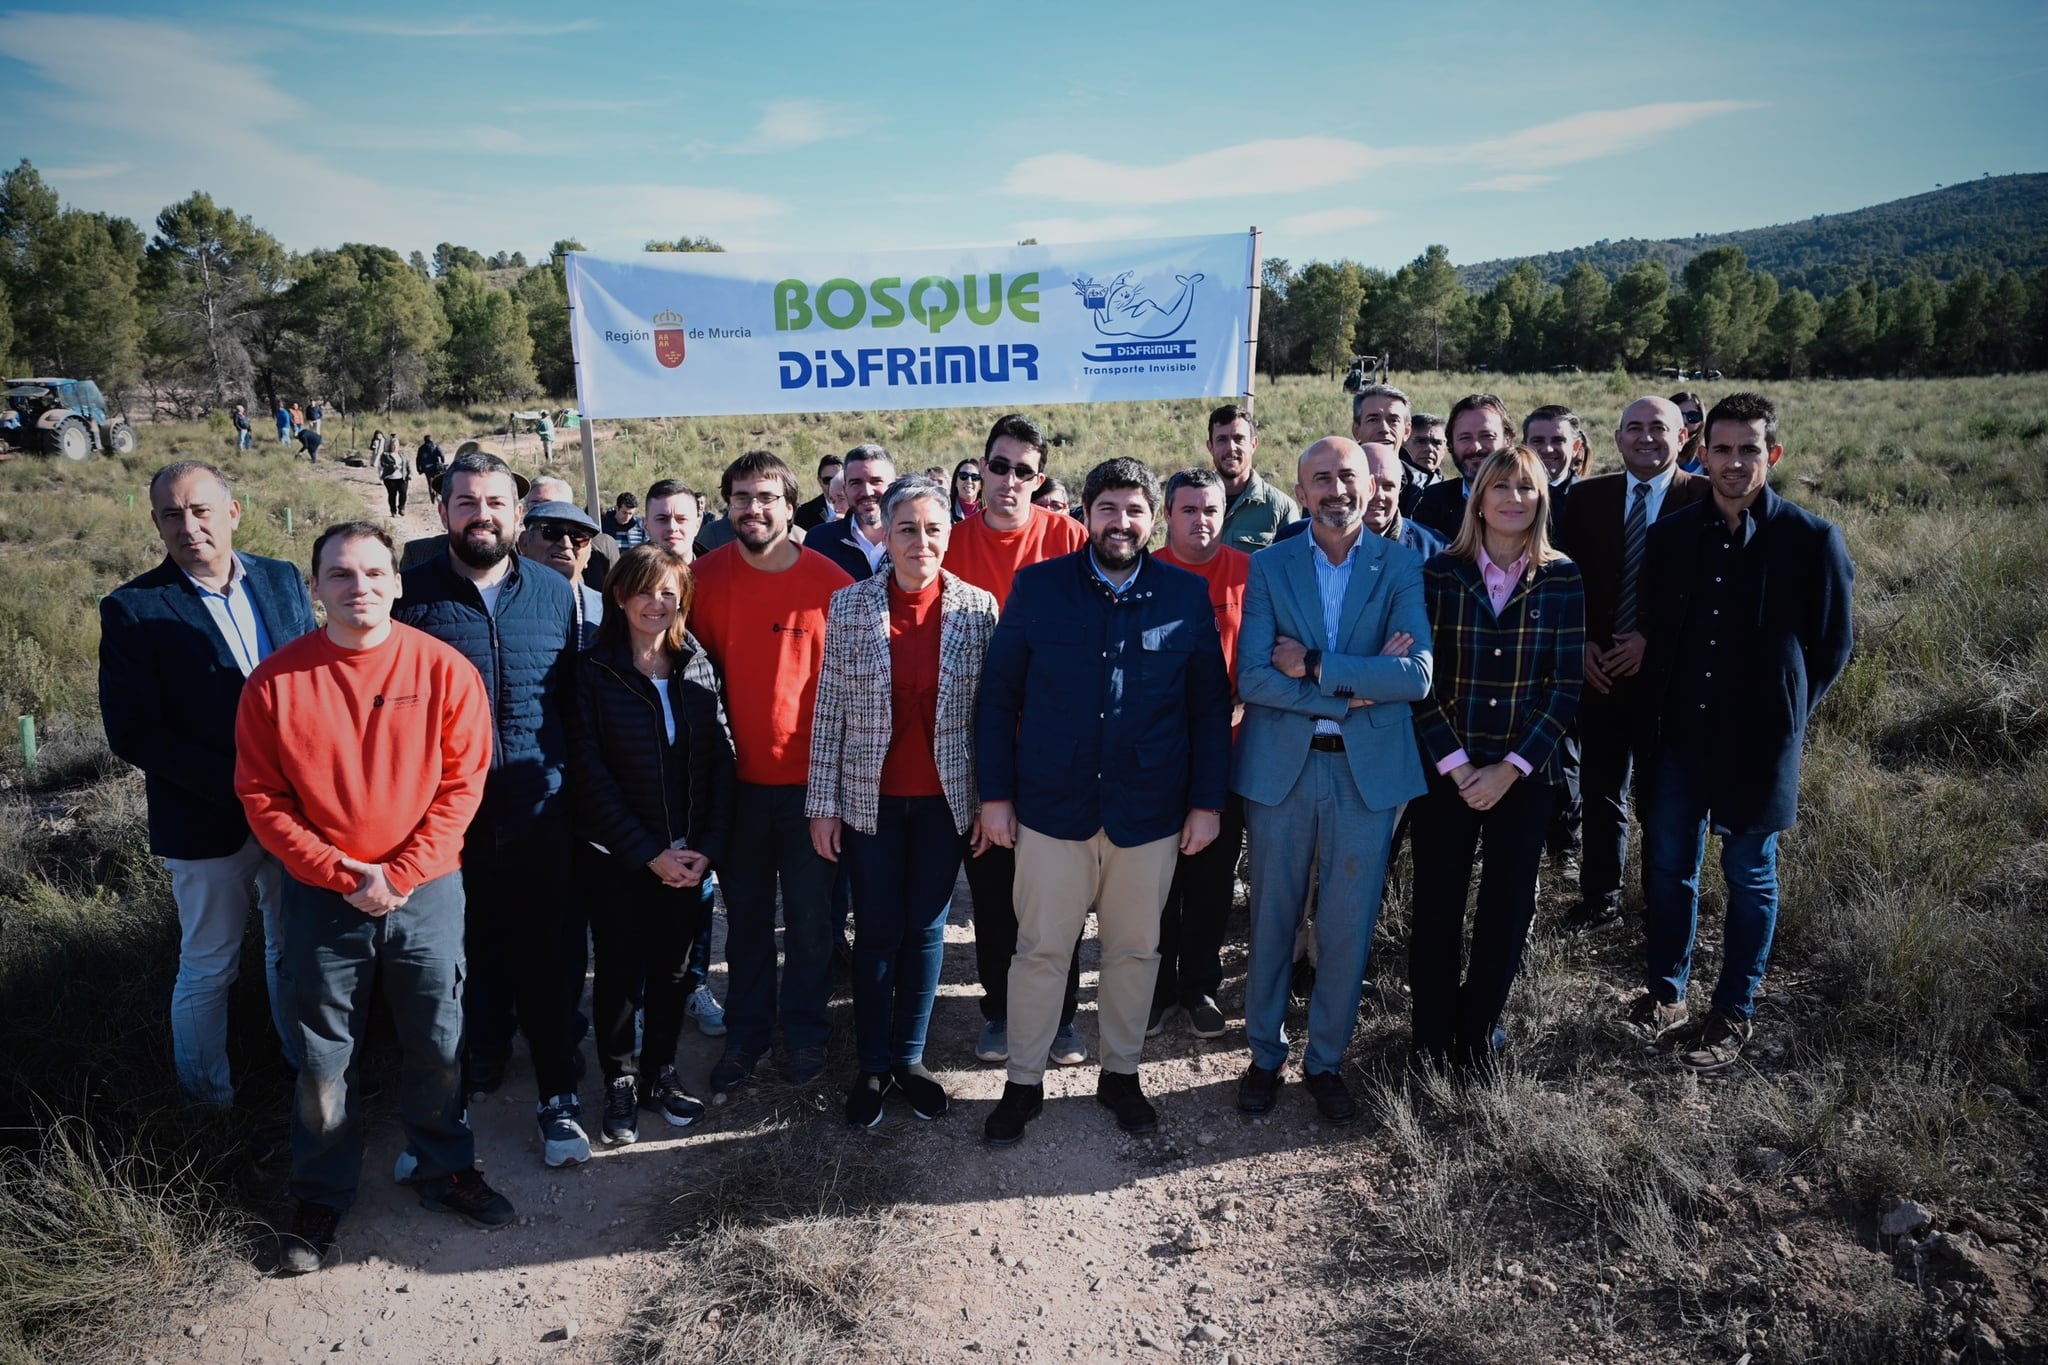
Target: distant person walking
(393, 471)
(244, 437)
(315, 415)
(431, 464)
(546, 430)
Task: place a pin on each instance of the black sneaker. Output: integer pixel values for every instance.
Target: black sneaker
(1155, 1022)
(305, 1248)
(1257, 1089)
(1588, 916)
(621, 1112)
(864, 1099)
(465, 1193)
(1019, 1105)
(668, 1098)
(734, 1069)
(1205, 1020)
(1332, 1096)
(926, 1096)
(1121, 1095)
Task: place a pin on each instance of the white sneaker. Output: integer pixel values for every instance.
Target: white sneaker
(703, 1006)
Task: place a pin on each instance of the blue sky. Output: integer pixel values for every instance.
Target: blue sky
(1354, 130)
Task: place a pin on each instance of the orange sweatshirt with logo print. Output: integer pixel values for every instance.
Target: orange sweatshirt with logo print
(375, 754)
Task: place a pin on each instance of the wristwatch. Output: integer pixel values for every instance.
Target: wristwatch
(1310, 662)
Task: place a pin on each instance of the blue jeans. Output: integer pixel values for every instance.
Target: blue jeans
(1675, 819)
(244, 439)
(334, 954)
(771, 845)
(212, 896)
(903, 876)
(1323, 825)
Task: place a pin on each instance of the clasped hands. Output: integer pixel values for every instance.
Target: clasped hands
(680, 868)
(373, 895)
(1621, 659)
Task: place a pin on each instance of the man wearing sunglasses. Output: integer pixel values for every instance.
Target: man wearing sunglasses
(559, 535)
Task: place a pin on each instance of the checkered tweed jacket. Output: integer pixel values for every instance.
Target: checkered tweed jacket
(1506, 684)
(854, 720)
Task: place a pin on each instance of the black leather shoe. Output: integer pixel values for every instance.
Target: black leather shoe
(1257, 1089)
(1333, 1097)
(1587, 916)
(1019, 1105)
(1122, 1096)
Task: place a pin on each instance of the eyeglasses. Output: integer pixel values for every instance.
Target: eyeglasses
(744, 501)
(1692, 419)
(575, 535)
(999, 465)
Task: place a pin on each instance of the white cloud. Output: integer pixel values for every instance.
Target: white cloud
(1105, 229)
(1329, 220)
(99, 170)
(798, 123)
(1273, 166)
(1515, 182)
(1597, 133)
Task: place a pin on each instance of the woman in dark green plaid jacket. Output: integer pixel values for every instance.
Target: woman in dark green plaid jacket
(1507, 616)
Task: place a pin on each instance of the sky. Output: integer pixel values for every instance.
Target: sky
(1343, 130)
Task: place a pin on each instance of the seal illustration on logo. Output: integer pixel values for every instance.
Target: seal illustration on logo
(1119, 308)
(668, 338)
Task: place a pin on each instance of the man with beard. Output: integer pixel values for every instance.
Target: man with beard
(516, 622)
(1098, 808)
(1479, 424)
(858, 542)
(1253, 509)
(1335, 648)
(760, 614)
(1383, 517)
(1422, 459)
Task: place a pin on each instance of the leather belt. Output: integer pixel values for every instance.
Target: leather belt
(1326, 744)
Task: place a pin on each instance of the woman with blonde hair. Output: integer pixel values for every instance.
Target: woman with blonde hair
(1507, 614)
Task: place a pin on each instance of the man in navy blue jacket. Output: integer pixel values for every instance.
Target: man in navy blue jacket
(856, 542)
(1099, 808)
(516, 621)
(1747, 624)
(175, 647)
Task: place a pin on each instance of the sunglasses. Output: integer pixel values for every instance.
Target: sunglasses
(1693, 419)
(575, 535)
(969, 476)
(999, 465)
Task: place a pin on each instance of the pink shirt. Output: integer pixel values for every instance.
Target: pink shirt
(1500, 586)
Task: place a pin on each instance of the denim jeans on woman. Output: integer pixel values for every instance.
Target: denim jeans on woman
(903, 876)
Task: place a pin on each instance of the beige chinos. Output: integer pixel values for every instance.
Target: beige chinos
(1057, 880)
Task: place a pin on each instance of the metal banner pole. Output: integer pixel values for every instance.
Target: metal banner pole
(589, 440)
(1251, 339)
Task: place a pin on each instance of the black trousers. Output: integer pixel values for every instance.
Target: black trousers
(515, 886)
(992, 881)
(1191, 925)
(1606, 720)
(1454, 1017)
(642, 930)
(394, 494)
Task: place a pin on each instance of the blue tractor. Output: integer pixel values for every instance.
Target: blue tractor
(67, 417)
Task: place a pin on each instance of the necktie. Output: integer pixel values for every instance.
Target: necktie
(1632, 558)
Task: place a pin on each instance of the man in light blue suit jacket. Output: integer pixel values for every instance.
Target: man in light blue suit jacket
(1334, 648)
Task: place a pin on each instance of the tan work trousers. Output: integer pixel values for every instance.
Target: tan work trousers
(1057, 880)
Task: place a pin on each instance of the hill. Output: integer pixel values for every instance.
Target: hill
(1998, 223)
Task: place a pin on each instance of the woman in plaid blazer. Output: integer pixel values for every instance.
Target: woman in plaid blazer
(892, 782)
(1507, 614)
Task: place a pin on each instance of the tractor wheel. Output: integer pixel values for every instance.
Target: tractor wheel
(121, 438)
(71, 440)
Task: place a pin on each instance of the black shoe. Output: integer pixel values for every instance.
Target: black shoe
(668, 1098)
(484, 1075)
(804, 1064)
(1019, 1105)
(926, 1096)
(1303, 983)
(1587, 916)
(1257, 1089)
(1120, 1094)
(1155, 1022)
(465, 1193)
(864, 1099)
(1205, 1020)
(621, 1112)
(305, 1248)
(1333, 1097)
(734, 1069)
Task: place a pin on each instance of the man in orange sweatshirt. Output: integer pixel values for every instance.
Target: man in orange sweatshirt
(360, 756)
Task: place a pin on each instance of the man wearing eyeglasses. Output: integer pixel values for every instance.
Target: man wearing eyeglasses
(559, 535)
(760, 614)
(987, 551)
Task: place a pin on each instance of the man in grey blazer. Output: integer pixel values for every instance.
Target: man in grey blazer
(1334, 648)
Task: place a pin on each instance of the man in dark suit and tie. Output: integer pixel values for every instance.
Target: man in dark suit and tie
(175, 647)
(858, 541)
(1603, 531)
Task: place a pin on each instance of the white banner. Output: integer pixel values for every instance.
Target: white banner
(675, 334)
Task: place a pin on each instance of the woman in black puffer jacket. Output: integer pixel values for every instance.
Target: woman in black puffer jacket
(651, 782)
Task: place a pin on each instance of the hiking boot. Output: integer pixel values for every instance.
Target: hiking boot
(668, 1098)
(703, 1006)
(1155, 1022)
(465, 1193)
(621, 1112)
(1067, 1047)
(734, 1069)
(1332, 1096)
(804, 1064)
(926, 1096)
(563, 1141)
(306, 1247)
(1257, 1089)
(994, 1043)
(1653, 1020)
(1019, 1105)
(1719, 1044)
(1205, 1020)
(1120, 1093)
(864, 1099)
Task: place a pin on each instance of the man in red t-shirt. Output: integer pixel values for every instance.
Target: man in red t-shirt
(987, 550)
(1204, 883)
(759, 612)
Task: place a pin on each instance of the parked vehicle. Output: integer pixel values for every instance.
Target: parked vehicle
(67, 417)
